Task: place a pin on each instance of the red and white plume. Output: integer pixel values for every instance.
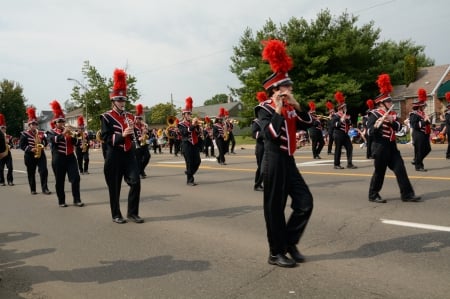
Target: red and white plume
(312, 106)
(329, 105)
(139, 110)
(80, 121)
(370, 104)
(56, 108)
(31, 112)
(384, 84)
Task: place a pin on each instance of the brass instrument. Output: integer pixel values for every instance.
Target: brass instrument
(144, 135)
(225, 131)
(84, 144)
(171, 123)
(39, 146)
(134, 137)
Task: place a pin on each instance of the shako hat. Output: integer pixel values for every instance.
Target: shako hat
(32, 118)
(340, 99)
(280, 62)
(421, 99)
(80, 122)
(58, 113)
(385, 87)
(139, 111)
(119, 91)
(188, 106)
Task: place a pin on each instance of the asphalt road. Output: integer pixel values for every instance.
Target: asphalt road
(209, 241)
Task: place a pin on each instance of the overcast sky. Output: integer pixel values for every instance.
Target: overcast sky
(175, 47)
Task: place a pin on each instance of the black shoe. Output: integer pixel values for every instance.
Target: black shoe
(281, 260)
(258, 188)
(351, 166)
(421, 169)
(78, 204)
(411, 198)
(47, 192)
(135, 218)
(318, 157)
(413, 162)
(10, 184)
(191, 184)
(295, 254)
(377, 198)
(330, 153)
(119, 220)
(33, 192)
(63, 205)
(338, 167)
(3, 184)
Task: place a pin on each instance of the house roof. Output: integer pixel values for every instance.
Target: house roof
(428, 78)
(213, 110)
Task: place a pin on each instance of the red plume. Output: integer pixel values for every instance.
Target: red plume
(2, 120)
(312, 106)
(370, 104)
(57, 111)
(120, 80)
(207, 120)
(80, 121)
(221, 112)
(261, 96)
(447, 96)
(31, 112)
(189, 103)
(275, 53)
(226, 112)
(422, 95)
(329, 105)
(384, 84)
(139, 109)
(339, 96)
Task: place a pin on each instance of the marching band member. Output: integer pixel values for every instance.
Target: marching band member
(315, 132)
(33, 143)
(6, 160)
(230, 140)
(261, 96)
(119, 135)
(63, 141)
(341, 124)
(281, 116)
(219, 133)
(190, 132)
(421, 129)
(370, 106)
(382, 126)
(330, 128)
(82, 149)
(208, 138)
(142, 153)
(447, 124)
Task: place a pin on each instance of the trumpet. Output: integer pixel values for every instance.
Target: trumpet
(38, 144)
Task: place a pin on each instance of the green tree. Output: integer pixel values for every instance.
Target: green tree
(217, 99)
(410, 69)
(160, 112)
(95, 94)
(12, 106)
(329, 53)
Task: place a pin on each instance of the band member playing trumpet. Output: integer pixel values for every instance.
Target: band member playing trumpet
(421, 129)
(33, 143)
(82, 149)
(341, 124)
(119, 134)
(7, 159)
(190, 132)
(63, 141)
(315, 132)
(208, 138)
(382, 126)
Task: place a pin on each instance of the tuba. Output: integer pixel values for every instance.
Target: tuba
(171, 123)
(38, 144)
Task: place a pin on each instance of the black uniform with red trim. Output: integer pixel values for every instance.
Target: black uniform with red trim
(143, 155)
(282, 177)
(191, 152)
(27, 143)
(447, 128)
(316, 135)
(421, 130)
(120, 162)
(386, 154)
(208, 141)
(219, 133)
(341, 125)
(64, 162)
(259, 152)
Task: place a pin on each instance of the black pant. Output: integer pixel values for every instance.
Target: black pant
(232, 141)
(330, 142)
(387, 155)
(422, 147)
(143, 158)
(118, 165)
(259, 153)
(192, 159)
(317, 143)
(342, 140)
(63, 165)
(209, 147)
(31, 164)
(282, 179)
(221, 146)
(448, 145)
(82, 159)
(9, 164)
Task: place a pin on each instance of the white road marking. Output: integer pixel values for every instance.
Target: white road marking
(416, 225)
(323, 162)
